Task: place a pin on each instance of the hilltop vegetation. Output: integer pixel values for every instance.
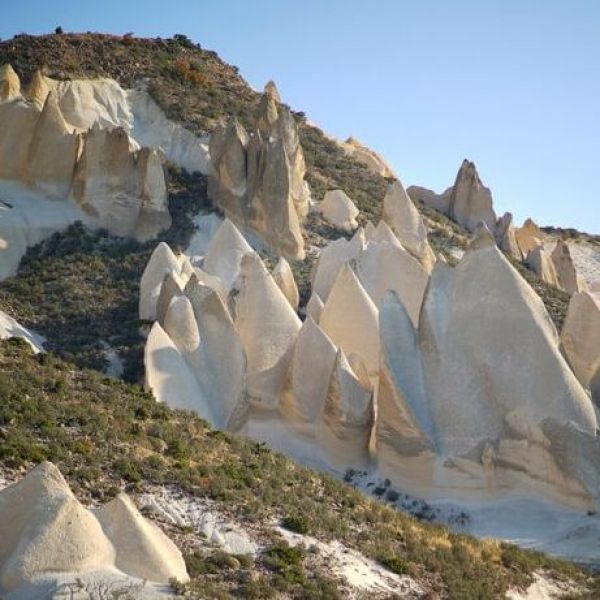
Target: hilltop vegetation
(105, 434)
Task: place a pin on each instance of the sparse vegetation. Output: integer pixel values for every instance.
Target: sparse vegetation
(106, 434)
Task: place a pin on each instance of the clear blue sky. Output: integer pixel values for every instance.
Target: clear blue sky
(513, 85)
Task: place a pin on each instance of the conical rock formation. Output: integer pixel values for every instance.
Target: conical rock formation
(339, 210)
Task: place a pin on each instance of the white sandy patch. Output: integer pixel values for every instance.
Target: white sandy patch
(361, 573)
(176, 508)
(585, 255)
(542, 588)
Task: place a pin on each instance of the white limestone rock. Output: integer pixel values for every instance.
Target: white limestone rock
(470, 201)
(331, 259)
(382, 266)
(152, 128)
(142, 549)
(49, 538)
(284, 278)
(162, 263)
(348, 417)
(225, 253)
(404, 219)
(267, 326)
(570, 280)
(350, 319)
(580, 339)
(339, 211)
(543, 265)
(314, 307)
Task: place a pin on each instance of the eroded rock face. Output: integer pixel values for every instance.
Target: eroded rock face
(40, 512)
(529, 236)
(506, 237)
(10, 84)
(258, 179)
(543, 265)
(284, 278)
(580, 339)
(100, 176)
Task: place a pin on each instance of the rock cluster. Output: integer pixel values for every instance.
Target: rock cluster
(50, 540)
(449, 385)
(257, 178)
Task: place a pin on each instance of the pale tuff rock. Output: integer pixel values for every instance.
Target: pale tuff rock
(348, 417)
(315, 354)
(108, 179)
(40, 512)
(506, 237)
(267, 326)
(404, 430)
(382, 266)
(339, 211)
(272, 91)
(529, 236)
(162, 263)
(10, 85)
(258, 179)
(404, 219)
(38, 89)
(181, 326)
(10, 328)
(470, 201)
(383, 233)
(171, 287)
(371, 159)
(482, 237)
(349, 318)
(284, 278)
(543, 265)
(369, 231)
(225, 252)
(123, 190)
(142, 549)
(314, 307)
(86, 103)
(570, 280)
(152, 128)
(331, 259)
(580, 339)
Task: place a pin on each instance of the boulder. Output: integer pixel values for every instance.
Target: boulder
(543, 265)
(162, 263)
(350, 319)
(10, 84)
(339, 211)
(570, 280)
(371, 159)
(580, 338)
(284, 278)
(404, 219)
(470, 201)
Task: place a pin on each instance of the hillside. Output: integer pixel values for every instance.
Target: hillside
(195, 87)
(105, 435)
